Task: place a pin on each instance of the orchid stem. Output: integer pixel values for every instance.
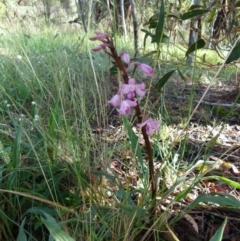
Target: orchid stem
(138, 113)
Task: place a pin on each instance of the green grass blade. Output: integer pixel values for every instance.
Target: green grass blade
(224, 200)
(225, 180)
(57, 233)
(21, 235)
(16, 147)
(134, 144)
(219, 233)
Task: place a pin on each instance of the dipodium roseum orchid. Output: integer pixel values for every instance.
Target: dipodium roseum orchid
(116, 100)
(99, 47)
(126, 100)
(146, 69)
(99, 36)
(125, 57)
(150, 125)
(126, 106)
(131, 88)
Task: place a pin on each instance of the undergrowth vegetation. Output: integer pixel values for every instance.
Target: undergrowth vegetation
(68, 169)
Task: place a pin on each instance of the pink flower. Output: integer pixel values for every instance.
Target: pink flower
(146, 69)
(116, 100)
(99, 36)
(151, 125)
(131, 88)
(126, 105)
(125, 57)
(99, 47)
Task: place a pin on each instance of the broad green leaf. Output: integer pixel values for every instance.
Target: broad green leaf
(152, 25)
(193, 13)
(113, 70)
(160, 24)
(219, 233)
(153, 18)
(124, 195)
(234, 55)
(147, 33)
(22, 235)
(164, 39)
(134, 143)
(200, 43)
(164, 79)
(57, 233)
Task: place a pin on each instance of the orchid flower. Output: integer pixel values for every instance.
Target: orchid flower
(99, 47)
(150, 125)
(125, 56)
(146, 69)
(131, 88)
(126, 106)
(99, 36)
(116, 100)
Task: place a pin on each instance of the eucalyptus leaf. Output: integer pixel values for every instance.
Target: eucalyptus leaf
(160, 24)
(193, 13)
(234, 55)
(147, 33)
(113, 70)
(161, 82)
(200, 43)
